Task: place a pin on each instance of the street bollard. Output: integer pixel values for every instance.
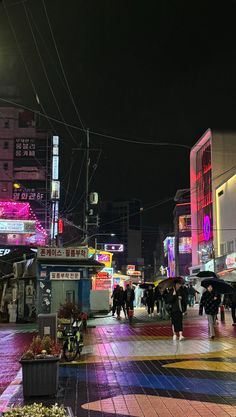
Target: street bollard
(222, 312)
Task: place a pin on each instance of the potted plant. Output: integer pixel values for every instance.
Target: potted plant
(40, 367)
(37, 410)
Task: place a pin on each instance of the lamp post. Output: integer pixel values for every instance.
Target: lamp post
(97, 234)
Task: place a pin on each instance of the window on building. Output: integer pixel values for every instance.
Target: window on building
(223, 248)
(4, 188)
(230, 246)
(6, 145)
(5, 166)
(6, 124)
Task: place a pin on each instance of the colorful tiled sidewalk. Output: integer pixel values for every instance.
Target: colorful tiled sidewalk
(139, 371)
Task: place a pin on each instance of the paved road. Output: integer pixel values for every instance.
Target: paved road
(139, 371)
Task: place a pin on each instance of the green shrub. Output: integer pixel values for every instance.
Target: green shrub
(36, 410)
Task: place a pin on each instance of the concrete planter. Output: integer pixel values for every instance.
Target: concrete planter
(40, 376)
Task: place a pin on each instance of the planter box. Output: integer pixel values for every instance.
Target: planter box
(40, 376)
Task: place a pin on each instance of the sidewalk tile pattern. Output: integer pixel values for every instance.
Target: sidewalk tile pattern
(139, 371)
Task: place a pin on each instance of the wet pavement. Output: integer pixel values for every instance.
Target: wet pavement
(138, 370)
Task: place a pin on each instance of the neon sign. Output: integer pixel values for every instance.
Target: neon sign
(207, 228)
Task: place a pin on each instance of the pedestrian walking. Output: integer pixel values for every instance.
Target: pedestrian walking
(191, 296)
(232, 304)
(210, 301)
(120, 302)
(129, 298)
(176, 299)
(150, 300)
(138, 296)
(114, 299)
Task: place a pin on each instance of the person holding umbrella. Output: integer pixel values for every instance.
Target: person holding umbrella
(211, 298)
(210, 301)
(177, 300)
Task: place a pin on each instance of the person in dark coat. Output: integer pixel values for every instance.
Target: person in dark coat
(210, 301)
(114, 298)
(120, 302)
(129, 298)
(176, 298)
(150, 300)
(232, 304)
(191, 296)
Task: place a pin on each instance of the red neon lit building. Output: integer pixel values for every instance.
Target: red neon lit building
(211, 162)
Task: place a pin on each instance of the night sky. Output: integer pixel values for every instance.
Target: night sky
(151, 71)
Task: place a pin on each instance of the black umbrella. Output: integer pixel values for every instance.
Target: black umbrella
(169, 282)
(206, 274)
(220, 286)
(146, 285)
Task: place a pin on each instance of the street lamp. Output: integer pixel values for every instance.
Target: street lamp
(94, 235)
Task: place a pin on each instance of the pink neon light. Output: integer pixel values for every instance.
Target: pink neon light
(207, 228)
(22, 211)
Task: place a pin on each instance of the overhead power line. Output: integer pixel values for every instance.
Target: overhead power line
(62, 67)
(45, 71)
(104, 135)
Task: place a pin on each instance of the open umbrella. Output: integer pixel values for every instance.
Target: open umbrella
(169, 283)
(206, 274)
(220, 286)
(145, 285)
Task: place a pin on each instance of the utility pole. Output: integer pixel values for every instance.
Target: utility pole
(86, 186)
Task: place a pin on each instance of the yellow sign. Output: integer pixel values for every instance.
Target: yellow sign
(101, 256)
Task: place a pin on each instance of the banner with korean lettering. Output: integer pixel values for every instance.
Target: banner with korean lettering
(63, 253)
(65, 276)
(26, 192)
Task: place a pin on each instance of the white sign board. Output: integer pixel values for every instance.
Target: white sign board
(63, 253)
(65, 276)
(17, 226)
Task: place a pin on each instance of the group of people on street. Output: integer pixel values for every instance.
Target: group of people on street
(123, 300)
(174, 300)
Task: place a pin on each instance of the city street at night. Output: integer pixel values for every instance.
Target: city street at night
(138, 370)
(117, 208)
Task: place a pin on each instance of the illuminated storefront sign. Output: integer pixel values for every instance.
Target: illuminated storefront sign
(65, 276)
(134, 273)
(4, 251)
(28, 194)
(206, 228)
(185, 245)
(63, 253)
(55, 158)
(17, 226)
(104, 258)
(55, 167)
(114, 247)
(55, 190)
(103, 284)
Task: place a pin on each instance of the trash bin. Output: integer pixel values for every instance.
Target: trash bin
(12, 310)
(48, 325)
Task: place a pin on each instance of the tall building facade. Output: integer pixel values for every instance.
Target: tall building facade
(25, 179)
(213, 202)
(123, 218)
(182, 233)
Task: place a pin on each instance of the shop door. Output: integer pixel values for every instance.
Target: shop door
(63, 292)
